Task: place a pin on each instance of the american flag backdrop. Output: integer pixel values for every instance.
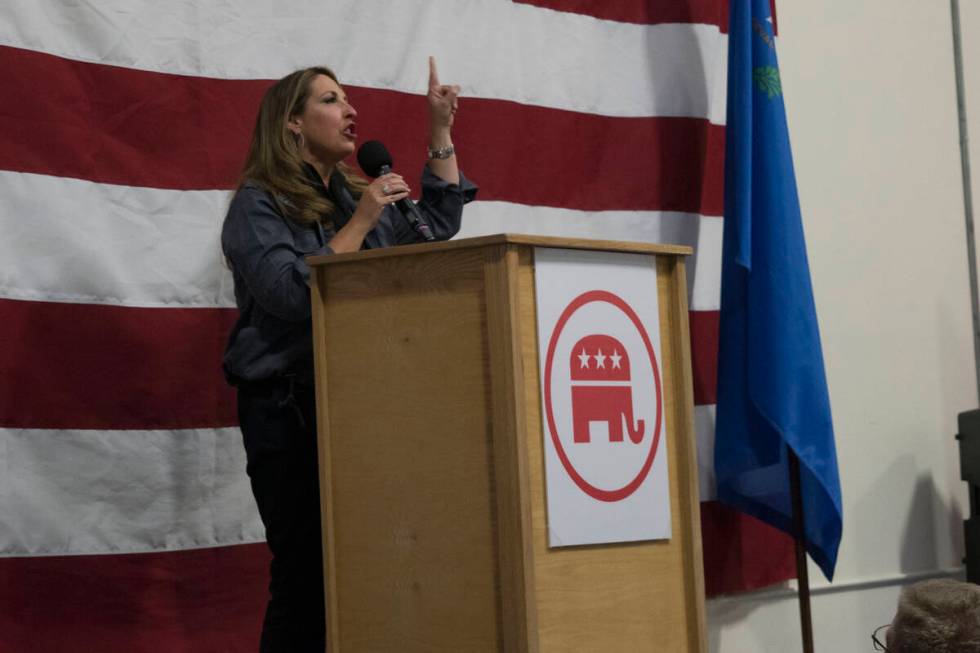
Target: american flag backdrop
(126, 519)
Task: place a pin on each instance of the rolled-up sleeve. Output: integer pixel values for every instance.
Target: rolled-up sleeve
(442, 204)
(263, 251)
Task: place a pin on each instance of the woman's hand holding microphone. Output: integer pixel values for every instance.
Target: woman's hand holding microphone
(386, 189)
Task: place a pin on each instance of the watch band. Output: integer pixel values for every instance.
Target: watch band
(442, 152)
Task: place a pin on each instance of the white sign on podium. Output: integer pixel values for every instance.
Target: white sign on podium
(602, 397)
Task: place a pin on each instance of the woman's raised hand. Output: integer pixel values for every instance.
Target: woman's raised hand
(443, 103)
(443, 99)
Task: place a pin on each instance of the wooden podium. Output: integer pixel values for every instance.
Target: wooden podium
(432, 463)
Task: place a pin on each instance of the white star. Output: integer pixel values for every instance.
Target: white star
(615, 359)
(600, 359)
(584, 359)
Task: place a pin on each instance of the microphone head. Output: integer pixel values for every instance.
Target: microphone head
(372, 156)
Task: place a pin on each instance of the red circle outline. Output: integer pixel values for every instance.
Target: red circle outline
(585, 486)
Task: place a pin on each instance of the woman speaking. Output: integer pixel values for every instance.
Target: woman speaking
(297, 198)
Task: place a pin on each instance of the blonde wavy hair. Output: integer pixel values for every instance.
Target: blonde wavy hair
(274, 161)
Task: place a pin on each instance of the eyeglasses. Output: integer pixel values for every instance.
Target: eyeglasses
(877, 642)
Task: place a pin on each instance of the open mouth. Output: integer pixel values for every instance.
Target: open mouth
(350, 131)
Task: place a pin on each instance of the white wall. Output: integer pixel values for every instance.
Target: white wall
(870, 93)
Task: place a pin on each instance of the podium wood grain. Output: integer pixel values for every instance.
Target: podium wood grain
(432, 464)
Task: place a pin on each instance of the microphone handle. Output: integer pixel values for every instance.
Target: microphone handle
(411, 213)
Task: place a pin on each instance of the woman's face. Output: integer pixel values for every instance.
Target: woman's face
(326, 123)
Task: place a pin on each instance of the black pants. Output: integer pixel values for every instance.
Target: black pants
(278, 421)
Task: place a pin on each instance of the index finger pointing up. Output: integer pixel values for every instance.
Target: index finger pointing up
(433, 75)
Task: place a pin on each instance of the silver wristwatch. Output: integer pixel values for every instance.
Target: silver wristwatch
(442, 152)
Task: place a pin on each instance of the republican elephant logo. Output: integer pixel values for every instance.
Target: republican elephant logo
(600, 367)
(601, 389)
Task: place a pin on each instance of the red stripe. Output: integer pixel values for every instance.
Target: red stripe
(191, 601)
(212, 599)
(105, 367)
(742, 553)
(704, 355)
(88, 366)
(123, 126)
(644, 12)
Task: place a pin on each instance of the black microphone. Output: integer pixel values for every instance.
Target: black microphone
(375, 160)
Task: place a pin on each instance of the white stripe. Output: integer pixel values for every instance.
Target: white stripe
(704, 433)
(703, 233)
(494, 48)
(83, 492)
(66, 492)
(78, 241)
(68, 240)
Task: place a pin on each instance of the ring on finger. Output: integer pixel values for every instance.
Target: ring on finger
(385, 189)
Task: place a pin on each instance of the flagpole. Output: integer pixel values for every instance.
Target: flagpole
(799, 535)
(971, 249)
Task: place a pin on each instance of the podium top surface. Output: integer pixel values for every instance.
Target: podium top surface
(502, 239)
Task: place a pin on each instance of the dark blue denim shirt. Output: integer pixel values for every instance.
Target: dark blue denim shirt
(266, 250)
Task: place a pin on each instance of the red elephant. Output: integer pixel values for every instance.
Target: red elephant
(602, 359)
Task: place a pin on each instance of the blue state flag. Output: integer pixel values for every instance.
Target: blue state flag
(772, 390)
